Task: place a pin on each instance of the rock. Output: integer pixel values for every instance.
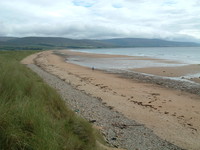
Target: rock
(92, 121)
(77, 110)
(114, 138)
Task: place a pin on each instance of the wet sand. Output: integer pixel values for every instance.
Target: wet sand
(90, 55)
(172, 114)
(180, 71)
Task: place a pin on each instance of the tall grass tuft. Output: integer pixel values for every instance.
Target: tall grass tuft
(32, 115)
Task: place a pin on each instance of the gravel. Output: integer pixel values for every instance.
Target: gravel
(118, 130)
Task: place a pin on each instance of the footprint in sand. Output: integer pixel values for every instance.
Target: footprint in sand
(174, 114)
(110, 107)
(181, 117)
(155, 94)
(99, 98)
(104, 103)
(114, 93)
(123, 95)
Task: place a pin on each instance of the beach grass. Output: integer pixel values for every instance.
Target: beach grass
(32, 115)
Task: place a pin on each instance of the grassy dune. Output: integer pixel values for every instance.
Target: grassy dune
(32, 115)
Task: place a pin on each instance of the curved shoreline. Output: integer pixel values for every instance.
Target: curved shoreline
(119, 131)
(163, 110)
(145, 75)
(176, 71)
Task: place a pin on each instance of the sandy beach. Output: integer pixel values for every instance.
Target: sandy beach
(173, 115)
(173, 71)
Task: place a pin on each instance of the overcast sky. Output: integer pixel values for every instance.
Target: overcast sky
(166, 19)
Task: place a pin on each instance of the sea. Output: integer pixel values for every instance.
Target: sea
(180, 55)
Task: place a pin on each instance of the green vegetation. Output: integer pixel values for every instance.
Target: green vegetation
(32, 115)
(6, 47)
(43, 43)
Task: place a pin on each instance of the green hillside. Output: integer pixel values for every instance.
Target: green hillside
(41, 43)
(33, 116)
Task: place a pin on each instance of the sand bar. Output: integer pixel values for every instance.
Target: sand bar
(171, 71)
(172, 115)
(90, 55)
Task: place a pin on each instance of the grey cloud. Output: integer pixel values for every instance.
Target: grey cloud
(169, 19)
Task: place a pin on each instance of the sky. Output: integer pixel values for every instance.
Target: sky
(102, 19)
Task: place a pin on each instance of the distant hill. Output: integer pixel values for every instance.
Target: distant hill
(141, 42)
(53, 42)
(6, 38)
(13, 43)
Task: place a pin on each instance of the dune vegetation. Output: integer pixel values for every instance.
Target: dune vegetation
(32, 115)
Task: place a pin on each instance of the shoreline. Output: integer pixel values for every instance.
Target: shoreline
(173, 70)
(173, 115)
(189, 72)
(182, 85)
(118, 130)
(169, 77)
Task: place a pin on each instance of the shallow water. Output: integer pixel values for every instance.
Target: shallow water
(117, 63)
(182, 55)
(189, 55)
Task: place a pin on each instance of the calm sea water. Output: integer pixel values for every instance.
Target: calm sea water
(188, 55)
(182, 55)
